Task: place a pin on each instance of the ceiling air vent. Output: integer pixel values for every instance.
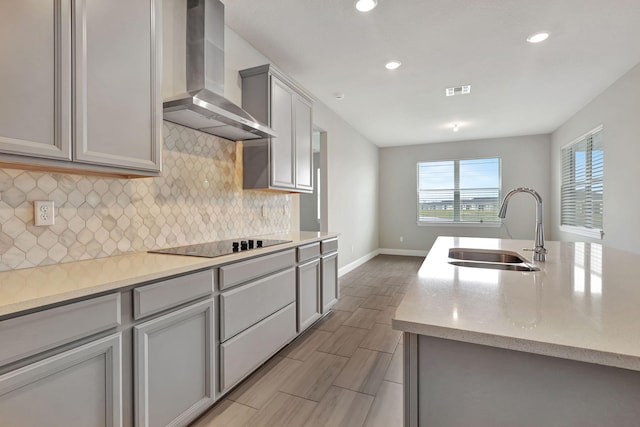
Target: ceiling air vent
(460, 90)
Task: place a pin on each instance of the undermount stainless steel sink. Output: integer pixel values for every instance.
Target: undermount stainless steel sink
(495, 265)
(490, 258)
(486, 255)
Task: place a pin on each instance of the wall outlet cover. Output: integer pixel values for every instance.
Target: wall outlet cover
(43, 213)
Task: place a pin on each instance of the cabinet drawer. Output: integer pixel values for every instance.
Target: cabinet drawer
(307, 252)
(47, 329)
(330, 245)
(246, 305)
(234, 274)
(169, 293)
(244, 352)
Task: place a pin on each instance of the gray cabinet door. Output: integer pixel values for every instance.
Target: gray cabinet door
(80, 387)
(304, 148)
(270, 95)
(174, 366)
(309, 309)
(117, 86)
(329, 281)
(282, 148)
(35, 74)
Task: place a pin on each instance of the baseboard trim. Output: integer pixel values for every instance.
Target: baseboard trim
(403, 252)
(357, 263)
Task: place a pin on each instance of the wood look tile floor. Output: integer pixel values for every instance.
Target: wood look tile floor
(345, 371)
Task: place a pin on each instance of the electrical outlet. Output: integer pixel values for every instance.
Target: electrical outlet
(401, 239)
(43, 213)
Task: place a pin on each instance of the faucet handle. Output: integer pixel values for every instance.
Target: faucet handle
(538, 251)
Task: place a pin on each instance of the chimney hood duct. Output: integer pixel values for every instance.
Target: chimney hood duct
(204, 107)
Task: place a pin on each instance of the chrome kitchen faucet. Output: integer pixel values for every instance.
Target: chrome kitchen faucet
(539, 250)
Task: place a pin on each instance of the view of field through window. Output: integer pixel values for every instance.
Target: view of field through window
(466, 191)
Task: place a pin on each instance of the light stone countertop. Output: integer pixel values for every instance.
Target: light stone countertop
(32, 288)
(583, 304)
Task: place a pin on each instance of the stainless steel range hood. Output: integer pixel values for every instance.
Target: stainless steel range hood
(203, 106)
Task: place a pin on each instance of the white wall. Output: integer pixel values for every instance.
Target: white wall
(618, 109)
(352, 163)
(352, 186)
(525, 163)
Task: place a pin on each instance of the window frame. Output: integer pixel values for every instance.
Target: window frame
(457, 190)
(594, 233)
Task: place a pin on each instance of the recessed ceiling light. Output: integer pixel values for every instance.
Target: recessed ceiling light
(538, 37)
(460, 90)
(392, 65)
(366, 5)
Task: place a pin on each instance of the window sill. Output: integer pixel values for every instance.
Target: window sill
(587, 232)
(459, 224)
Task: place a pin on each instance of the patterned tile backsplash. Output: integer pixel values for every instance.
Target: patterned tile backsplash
(198, 198)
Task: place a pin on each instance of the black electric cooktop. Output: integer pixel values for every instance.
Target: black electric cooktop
(223, 247)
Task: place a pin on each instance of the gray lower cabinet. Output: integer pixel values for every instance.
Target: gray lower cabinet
(329, 280)
(174, 365)
(79, 387)
(246, 305)
(309, 309)
(44, 330)
(55, 372)
(243, 353)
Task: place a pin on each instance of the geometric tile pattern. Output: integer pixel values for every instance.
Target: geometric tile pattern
(198, 198)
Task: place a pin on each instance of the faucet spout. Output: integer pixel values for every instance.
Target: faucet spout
(539, 250)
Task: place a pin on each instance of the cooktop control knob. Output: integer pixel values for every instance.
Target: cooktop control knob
(250, 244)
(243, 245)
(259, 243)
(235, 246)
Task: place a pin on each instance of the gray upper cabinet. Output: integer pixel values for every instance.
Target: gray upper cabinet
(282, 148)
(83, 91)
(35, 77)
(117, 87)
(304, 148)
(282, 163)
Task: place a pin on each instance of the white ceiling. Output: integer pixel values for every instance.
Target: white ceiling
(517, 88)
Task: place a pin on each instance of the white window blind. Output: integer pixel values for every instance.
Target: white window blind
(459, 191)
(583, 185)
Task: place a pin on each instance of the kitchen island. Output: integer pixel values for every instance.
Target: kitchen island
(556, 347)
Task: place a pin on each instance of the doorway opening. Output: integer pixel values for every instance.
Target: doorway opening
(313, 206)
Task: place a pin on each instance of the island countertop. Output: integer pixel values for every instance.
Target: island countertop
(37, 287)
(583, 304)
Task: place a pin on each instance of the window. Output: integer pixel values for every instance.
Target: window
(459, 191)
(582, 185)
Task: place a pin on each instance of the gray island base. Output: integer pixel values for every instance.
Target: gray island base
(457, 384)
(553, 345)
